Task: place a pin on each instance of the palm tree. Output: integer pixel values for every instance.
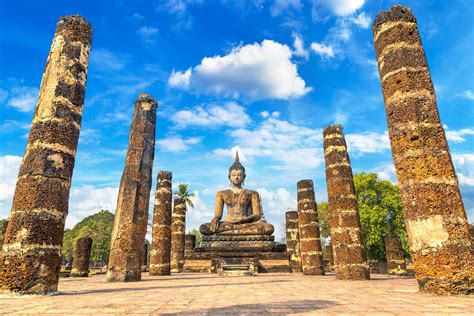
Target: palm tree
(185, 194)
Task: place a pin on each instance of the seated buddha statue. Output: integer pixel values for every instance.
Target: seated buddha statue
(244, 208)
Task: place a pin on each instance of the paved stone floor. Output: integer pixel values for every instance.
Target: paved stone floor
(265, 294)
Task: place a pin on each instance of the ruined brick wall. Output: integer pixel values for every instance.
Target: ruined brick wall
(434, 214)
(82, 256)
(160, 254)
(308, 226)
(395, 260)
(293, 240)
(178, 228)
(40, 205)
(131, 216)
(346, 236)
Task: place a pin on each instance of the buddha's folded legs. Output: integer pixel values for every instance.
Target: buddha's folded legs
(224, 228)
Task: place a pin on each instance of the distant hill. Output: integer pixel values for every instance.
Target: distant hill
(97, 226)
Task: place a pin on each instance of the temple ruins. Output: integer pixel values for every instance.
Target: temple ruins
(40, 205)
(82, 256)
(308, 227)
(293, 240)
(435, 218)
(160, 253)
(131, 215)
(178, 231)
(350, 262)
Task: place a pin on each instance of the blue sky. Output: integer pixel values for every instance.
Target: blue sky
(261, 76)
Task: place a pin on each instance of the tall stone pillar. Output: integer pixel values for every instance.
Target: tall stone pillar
(435, 218)
(308, 226)
(160, 254)
(131, 216)
(40, 204)
(145, 258)
(178, 227)
(189, 242)
(293, 240)
(330, 257)
(395, 260)
(82, 256)
(348, 247)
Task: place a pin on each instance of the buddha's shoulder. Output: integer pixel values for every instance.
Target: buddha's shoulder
(224, 192)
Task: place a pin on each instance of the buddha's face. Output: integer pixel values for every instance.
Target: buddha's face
(236, 177)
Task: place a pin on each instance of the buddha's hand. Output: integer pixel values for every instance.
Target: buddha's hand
(214, 224)
(244, 220)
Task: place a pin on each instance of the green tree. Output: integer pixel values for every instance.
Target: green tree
(97, 226)
(185, 193)
(323, 217)
(198, 235)
(381, 213)
(2, 223)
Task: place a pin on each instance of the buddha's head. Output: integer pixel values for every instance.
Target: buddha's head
(237, 172)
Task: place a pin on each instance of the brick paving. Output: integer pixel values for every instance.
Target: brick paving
(264, 294)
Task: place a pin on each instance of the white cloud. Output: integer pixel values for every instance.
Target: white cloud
(298, 46)
(338, 7)
(137, 16)
(362, 20)
(23, 98)
(281, 6)
(468, 94)
(148, 33)
(9, 166)
(255, 71)
(230, 114)
(276, 202)
(368, 142)
(11, 126)
(464, 164)
(288, 146)
(325, 51)
(200, 213)
(105, 60)
(177, 143)
(386, 171)
(179, 79)
(459, 135)
(87, 200)
(180, 10)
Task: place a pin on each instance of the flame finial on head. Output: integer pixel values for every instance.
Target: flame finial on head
(236, 165)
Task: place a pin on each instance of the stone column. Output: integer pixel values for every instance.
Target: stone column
(330, 257)
(395, 260)
(82, 256)
(189, 243)
(160, 254)
(308, 226)
(145, 258)
(293, 240)
(178, 227)
(348, 247)
(435, 218)
(4, 230)
(131, 216)
(40, 204)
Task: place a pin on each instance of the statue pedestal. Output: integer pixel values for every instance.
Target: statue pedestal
(232, 243)
(237, 255)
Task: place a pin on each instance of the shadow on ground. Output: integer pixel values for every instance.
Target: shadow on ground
(134, 289)
(275, 308)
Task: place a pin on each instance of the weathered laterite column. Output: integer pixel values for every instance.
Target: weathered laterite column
(160, 254)
(145, 258)
(189, 243)
(330, 257)
(4, 230)
(131, 216)
(435, 218)
(178, 227)
(293, 240)
(31, 255)
(395, 260)
(346, 236)
(82, 256)
(308, 226)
